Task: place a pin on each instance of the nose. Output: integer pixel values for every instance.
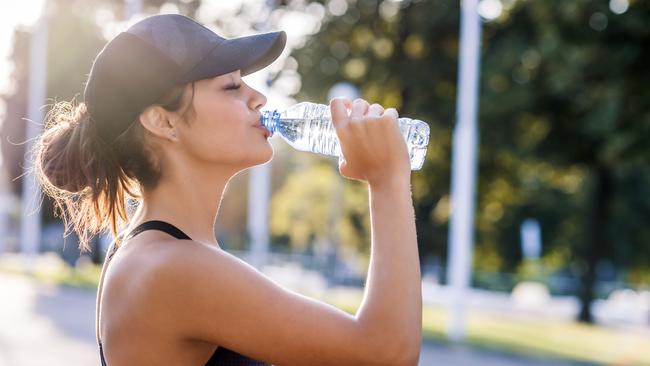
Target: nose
(258, 100)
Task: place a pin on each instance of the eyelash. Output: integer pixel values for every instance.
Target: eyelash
(233, 87)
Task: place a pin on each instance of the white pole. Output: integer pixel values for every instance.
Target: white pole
(350, 91)
(531, 239)
(463, 179)
(30, 230)
(258, 214)
(259, 189)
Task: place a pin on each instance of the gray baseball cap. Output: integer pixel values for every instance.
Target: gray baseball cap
(138, 66)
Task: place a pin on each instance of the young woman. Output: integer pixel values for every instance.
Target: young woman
(167, 121)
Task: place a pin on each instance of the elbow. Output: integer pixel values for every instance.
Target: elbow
(394, 350)
(399, 353)
(407, 350)
(406, 356)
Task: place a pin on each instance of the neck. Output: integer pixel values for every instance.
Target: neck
(188, 198)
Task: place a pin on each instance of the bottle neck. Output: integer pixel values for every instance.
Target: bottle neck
(270, 120)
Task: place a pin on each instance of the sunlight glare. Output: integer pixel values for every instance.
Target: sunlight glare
(24, 12)
(490, 9)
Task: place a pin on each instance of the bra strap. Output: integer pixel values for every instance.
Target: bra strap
(158, 225)
(147, 225)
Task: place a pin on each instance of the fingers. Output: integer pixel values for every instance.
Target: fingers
(359, 109)
(375, 110)
(392, 112)
(338, 108)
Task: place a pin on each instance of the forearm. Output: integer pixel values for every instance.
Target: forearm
(392, 303)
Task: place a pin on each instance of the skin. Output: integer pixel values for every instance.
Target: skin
(173, 302)
(200, 157)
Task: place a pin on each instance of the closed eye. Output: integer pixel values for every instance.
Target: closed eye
(233, 86)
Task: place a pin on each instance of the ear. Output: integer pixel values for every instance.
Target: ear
(156, 121)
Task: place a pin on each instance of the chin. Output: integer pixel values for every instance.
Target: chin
(269, 155)
(263, 157)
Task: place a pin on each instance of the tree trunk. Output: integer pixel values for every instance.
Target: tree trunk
(594, 247)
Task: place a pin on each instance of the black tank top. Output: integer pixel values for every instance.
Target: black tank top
(222, 356)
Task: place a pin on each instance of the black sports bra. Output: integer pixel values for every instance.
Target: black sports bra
(222, 356)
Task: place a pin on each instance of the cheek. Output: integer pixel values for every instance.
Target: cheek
(222, 134)
(215, 124)
(221, 140)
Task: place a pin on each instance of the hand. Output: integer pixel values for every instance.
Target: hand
(372, 146)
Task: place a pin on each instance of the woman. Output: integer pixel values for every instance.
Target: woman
(167, 121)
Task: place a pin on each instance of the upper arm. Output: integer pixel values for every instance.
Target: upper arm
(220, 299)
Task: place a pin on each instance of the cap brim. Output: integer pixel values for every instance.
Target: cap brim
(248, 54)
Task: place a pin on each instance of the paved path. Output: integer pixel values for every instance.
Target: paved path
(45, 325)
(460, 355)
(50, 325)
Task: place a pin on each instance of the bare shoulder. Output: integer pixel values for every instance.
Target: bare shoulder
(212, 296)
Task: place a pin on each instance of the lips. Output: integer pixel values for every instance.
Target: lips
(264, 130)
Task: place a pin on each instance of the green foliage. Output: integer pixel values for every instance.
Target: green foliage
(571, 105)
(564, 121)
(301, 207)
(316, 204)
(401, 55)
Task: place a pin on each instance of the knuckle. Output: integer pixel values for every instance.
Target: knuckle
(355, 121)
(389, 117)
(374, 119)
(391, 110)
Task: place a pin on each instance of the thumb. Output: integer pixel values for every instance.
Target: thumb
(338, 109)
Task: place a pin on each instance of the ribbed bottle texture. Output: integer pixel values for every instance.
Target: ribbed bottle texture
(308, 127)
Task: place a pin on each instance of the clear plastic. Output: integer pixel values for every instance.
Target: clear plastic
(308, 126)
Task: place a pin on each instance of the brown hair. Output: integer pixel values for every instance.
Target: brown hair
(88, 178)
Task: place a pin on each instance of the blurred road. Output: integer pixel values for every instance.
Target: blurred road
(50, 325)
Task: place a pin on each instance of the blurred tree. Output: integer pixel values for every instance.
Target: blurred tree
(566, 83)
(301, 207)
(564, 121)
(400, 54)
(305, 209)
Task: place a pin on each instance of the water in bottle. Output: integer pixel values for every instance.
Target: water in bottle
(308, 127)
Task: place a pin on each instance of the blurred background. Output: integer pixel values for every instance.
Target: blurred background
(557, 260)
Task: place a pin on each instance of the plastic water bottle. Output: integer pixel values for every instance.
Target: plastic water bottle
(308, 127)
